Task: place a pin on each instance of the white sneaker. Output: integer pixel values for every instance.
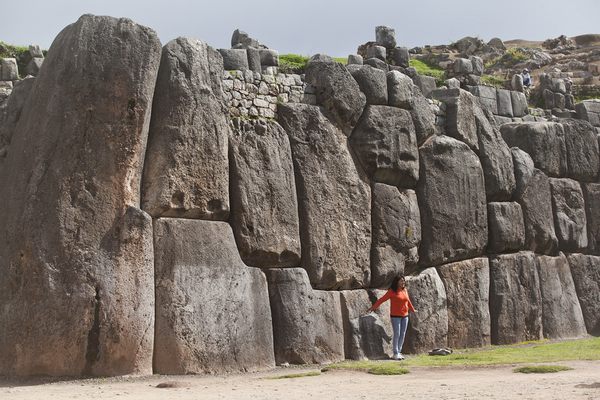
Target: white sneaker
(400, 357)
(396, 357)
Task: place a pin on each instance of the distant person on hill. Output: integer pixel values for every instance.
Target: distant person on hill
(527, 82)
(399, 309)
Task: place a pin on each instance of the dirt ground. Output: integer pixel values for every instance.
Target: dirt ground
(583, 382)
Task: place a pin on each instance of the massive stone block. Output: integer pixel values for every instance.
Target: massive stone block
(505, 107)
(460, 115)
(334, 200)
(543, 141)
(264, 213)
(507, 229)
(569, 214)
(373, 83)
(186, 173)
(212, 311)
(396, 233)
(496, 159)
(307, 324)
(534, 195)
(561, 312)
(591, 195)
(366, 336)
(400, 89)
(581, 146)
(15, 106)
(451, 195)
(385, 142)
(337, 92)
(515, 298)
(428, 327)
(76, 254)
(423, 116)
(586, 277)
(467, 286)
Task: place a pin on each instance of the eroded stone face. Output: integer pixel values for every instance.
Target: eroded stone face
(591, 194)
(507, 229)
(264, 212)
(581, 147)
(561, 312)
(76, 254)
(334, 200)
(212, 311)
(467, 286)
(586, 277)
(186, 173)
(515, 298)
(307, 324)
(452, 203)
(569, 214)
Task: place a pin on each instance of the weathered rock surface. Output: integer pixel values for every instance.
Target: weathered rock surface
(385, 142)
(76, 254)
(396, 233)
(591, 195)
(334, 200)
(307, 323)
(423, 116)
(212, 312)
(337, 92)
(586, 277)
(515, 298)
(581, 146)
(400, 89)
(534, 195)
(234, 59)
(366, 336)
(561, 312)
(264, 213)
(428, 327)
(543, 141)
(569, 214)
(186, 173)
(385, 36)
(373, 83)
(460, 115)
(496, 159)
(453, 226)
(12, 113)
(467, 286)
(506, 227)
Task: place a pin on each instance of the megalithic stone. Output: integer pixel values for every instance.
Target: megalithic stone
(76, 264)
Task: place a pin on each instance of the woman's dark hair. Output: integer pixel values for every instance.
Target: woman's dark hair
(395, 281)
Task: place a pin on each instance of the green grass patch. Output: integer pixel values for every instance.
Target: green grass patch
(541, 369)
(371, 367)
(492, 80)
(296, 63)
(21, 53)
(297, 375)
(423, 68)
(341, 60)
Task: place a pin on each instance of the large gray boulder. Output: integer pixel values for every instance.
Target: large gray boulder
(428, 327)
(426, 84)
(212, 311)
(488, 97)
(520, 107)
(467, 286)
(460, 115)
(373, 83)
(581, 145)
(400, 89)
(264, 207)
(366, 335)
(338, 92)
(76, 255)
(496, 159)
(186, 173)
(569, 214)
(453, 227)
(543, 141)
(591, 195)
(9, 69)
(307, 324)
(385, 36)
(400, 56)
(506, 227)
(384, 141)
(334, 200)
(234, 59)
(586, 277)
(515, 298)
(535, 197)
(396, 233)
(15, 105)
(505, 107)
(423, 116)
(561, 312)
(589, 110)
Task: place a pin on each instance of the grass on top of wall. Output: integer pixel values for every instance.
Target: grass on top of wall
(521, 353)
(296, 63)
(423, 68)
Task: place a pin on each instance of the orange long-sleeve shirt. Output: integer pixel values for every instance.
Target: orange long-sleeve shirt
(400, 303)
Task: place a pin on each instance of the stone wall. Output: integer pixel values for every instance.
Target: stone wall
(217, 236)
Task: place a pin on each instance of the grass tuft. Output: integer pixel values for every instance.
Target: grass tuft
(542, 369)
(371, 367)
(297, 375)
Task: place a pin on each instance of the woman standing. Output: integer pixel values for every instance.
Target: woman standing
(399, 309)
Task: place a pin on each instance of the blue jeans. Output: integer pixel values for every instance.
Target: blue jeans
(399, 325)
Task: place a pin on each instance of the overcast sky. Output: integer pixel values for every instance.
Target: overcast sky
(334, 27)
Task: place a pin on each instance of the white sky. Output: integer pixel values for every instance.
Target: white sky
(334, 27)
